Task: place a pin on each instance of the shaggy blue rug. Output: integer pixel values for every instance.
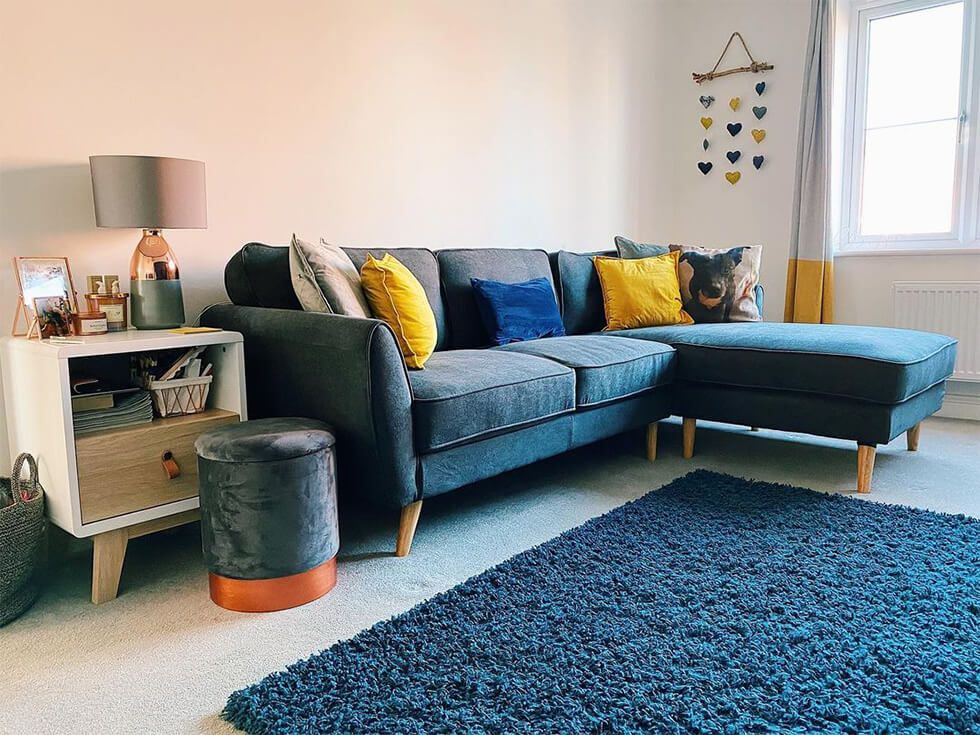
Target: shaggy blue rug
(714, 605)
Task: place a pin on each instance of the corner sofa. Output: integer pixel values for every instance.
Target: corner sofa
(476, 411)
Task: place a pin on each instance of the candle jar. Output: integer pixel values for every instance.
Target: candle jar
(90, 323)
(115, 307)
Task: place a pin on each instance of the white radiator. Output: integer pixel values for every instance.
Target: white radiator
(947, 307)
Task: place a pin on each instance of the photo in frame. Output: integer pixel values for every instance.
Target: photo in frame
(39, 277)
(54, 316)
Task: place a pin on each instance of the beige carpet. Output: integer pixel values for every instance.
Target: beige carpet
(163, 659)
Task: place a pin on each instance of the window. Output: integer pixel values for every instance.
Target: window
(911, 169)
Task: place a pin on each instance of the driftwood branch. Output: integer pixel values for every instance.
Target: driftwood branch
(755, 66)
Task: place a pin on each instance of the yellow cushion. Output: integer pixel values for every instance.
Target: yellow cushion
(641, 293)
(397, 298)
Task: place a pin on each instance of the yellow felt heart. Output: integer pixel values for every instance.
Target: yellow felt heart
(734, 102)
(758, 134)
(706, 122)
(733, 177)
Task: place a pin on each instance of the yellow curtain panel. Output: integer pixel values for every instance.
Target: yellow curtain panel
(809, 291)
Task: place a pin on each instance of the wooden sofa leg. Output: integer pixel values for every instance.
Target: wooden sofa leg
(688, 436)
(866, 466)
(652, 441)
(406, 528)
(912, 438)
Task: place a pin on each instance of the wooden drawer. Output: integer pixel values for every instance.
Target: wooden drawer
(120, 470)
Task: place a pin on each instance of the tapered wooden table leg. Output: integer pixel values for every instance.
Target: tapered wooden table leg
(108, 556)
(866, 466)
(406, 528)
(652, 441)
(688, 437)
(912, 438)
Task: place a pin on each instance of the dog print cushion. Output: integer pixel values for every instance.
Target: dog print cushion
(719, 285)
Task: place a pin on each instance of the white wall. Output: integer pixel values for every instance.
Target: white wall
(430, 122)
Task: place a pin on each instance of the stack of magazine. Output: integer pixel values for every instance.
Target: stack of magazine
(129, 410)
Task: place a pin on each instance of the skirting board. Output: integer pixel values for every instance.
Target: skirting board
(962, 401)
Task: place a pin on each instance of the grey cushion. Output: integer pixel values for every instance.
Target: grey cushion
(325, 279)
(606, 368)
(264, 440)
(629, 249)
(496, 264)
(581, 295)
(424, 266)
(464, 395)
(865, 363)
(258, 275)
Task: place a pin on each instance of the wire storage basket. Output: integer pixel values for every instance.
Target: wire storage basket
(23, 543)
(181, 396)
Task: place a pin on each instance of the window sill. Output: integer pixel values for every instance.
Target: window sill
(855, 252)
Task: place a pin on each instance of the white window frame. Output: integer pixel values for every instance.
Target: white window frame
(964, 235)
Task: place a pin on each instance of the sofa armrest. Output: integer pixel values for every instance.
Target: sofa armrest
(344, 371)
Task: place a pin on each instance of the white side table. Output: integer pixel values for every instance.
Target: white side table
(111, 484)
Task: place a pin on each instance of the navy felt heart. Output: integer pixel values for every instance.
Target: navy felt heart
(759, 112)
(760, 88)
(706, 100)
(704, 144)
(734, 129)
(757, 161)
(704, 166)
(733, 155)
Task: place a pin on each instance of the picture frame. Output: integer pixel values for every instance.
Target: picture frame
(39, 277)
(54, 316)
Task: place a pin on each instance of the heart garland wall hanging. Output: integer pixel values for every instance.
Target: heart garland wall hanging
(734, 127)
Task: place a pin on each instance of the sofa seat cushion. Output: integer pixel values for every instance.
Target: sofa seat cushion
(465, 395)
(875, 364)
(606, 368)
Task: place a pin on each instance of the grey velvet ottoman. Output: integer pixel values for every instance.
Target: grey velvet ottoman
(269, 513)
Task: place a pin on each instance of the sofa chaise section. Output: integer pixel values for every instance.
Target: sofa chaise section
(865, 384)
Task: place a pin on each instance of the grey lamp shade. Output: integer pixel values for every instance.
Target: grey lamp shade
(149, 192)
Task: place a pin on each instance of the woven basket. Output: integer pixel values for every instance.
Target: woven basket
(178, 397)
(22, 540)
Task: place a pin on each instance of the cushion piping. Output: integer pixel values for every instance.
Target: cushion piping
(808, 352)
(654, 355)
(495, 430)
(494, 387)
(814, 392)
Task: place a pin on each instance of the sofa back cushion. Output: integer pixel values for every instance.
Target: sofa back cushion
(581, 294)
(258, 275)
(424, 266)
(495, 264)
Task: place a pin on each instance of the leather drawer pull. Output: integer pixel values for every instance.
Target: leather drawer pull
(170, 465)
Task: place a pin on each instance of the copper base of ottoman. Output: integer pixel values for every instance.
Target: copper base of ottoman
(279, 593)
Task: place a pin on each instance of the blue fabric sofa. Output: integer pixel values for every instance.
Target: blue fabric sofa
(476, 411)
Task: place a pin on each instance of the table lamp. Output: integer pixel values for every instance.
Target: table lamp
(153, 194)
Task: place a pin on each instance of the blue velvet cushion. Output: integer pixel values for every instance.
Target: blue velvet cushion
(465, 395)
(876, 364)
(457, 267)
(517, 312)
(606, 368)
